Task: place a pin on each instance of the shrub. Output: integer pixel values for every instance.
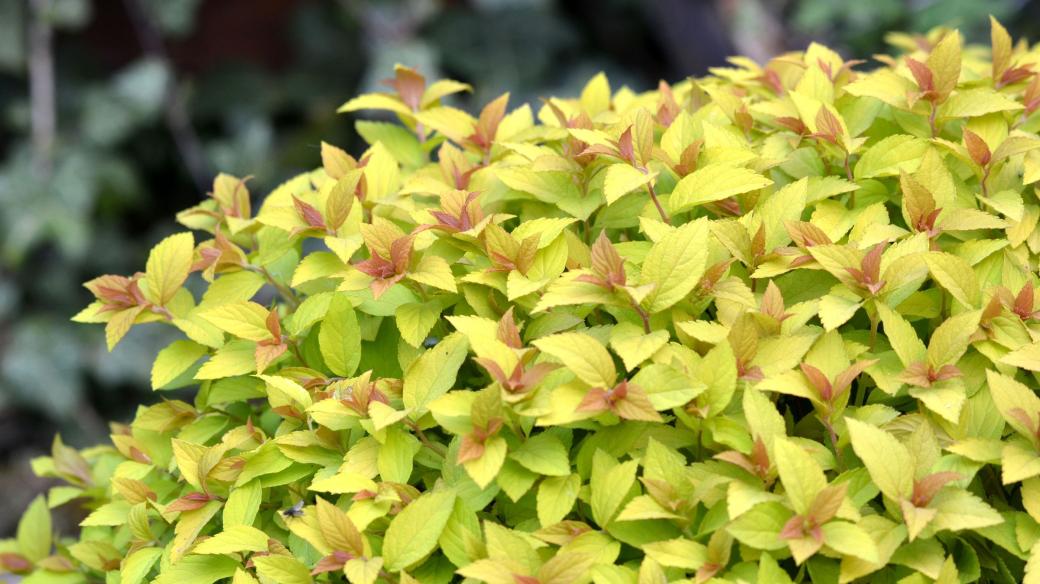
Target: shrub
(775, 324)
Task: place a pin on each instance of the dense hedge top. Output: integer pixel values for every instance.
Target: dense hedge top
(775, 324)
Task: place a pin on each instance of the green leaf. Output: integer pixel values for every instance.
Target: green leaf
(340, 337)
(484, 469)
(169, 264)
(413, 533)
(415, 320)
(674, 265)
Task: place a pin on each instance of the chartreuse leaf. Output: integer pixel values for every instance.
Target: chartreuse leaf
(956, 276)
(802, 476)
(609, 485)
(245, 320)
(203, 569)
(556, 497)
(282, 569)
(434, 372)
(583, 355)
(138, 564)
(234, 539)
(714, 183)
(34, 530)
(413, 533)
(174, 360)
(169, 264)
(340, 337)
(674, 265)
(887, 460)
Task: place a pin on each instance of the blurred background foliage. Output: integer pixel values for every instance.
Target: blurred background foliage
(114, 114)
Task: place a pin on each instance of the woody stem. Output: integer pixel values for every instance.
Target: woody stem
(931, 120)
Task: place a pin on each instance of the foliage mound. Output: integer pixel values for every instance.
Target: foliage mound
(778, 324)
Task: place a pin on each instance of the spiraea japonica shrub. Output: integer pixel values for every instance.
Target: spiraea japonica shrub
(777, 324)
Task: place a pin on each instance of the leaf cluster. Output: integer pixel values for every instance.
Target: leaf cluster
(771, 325)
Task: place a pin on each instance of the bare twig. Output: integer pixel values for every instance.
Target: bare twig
(177, 119)
(41, 87)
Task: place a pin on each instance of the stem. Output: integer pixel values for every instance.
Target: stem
(436, 448)
(873, 328)
(834, 443)
(931, 120)
(657, 203)
(295, 348)
(982, 183)
(644, 315)
(848, 172)
(283, 290)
